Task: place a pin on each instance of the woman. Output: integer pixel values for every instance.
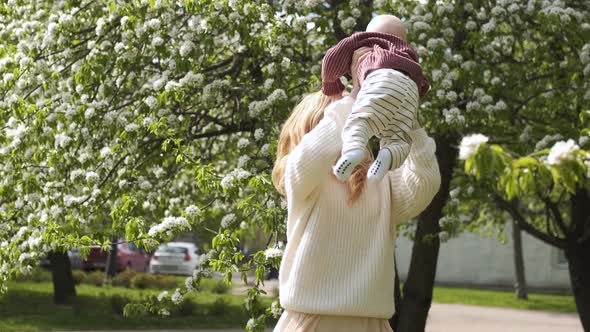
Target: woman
(337, 270)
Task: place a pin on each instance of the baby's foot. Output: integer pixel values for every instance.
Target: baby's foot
(380, 166)
(347, 163)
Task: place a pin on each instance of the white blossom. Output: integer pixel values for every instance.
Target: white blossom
(258, 134)
(150, 101)
(421, 26)
(264, 149)
(145, 185)
(192, 211)
(227, 220)
(189, 284)
(62, 140)
(562, 151)
(453, 116)
(243, 142)
(230, 179)
(186, 48)
(273, 252)
(243, 161)
(131, 127)
(92, 177)
(276, 310)
(277, 95)
(168, 225)
(348, 24)
(251, 324)
(177, 297)
(544, 142)
(154, 23)
(162, 295)
(488, 27)
(286, 63)
(157, 41)
(469, 145)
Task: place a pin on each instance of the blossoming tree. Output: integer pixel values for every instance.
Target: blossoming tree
(547, 193)
(139, 118)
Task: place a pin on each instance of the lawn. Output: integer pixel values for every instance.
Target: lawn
(546, 302)
(28, 307)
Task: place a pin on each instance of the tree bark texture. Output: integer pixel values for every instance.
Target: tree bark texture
(520, 286)
(64, 287)
(417, 290)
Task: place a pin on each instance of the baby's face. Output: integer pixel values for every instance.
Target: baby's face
(387, 24)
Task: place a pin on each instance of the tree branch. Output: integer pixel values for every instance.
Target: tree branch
(512, 209)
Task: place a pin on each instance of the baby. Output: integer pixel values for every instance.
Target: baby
(391, 81)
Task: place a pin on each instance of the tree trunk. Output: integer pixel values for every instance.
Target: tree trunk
(417, 291)
(520, 281)
(111, 266)
(397, 298)
(577, 252)
(64, 287)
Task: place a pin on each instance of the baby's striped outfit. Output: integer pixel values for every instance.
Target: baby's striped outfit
(386, 107)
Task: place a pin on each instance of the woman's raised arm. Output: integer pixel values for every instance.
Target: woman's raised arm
(415, 183)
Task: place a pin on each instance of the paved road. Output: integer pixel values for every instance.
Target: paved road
(464, 318)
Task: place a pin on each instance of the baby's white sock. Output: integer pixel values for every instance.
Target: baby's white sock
(347, 163)
(380, 166)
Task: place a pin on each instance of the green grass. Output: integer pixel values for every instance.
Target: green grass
(28, 306)
(505, 299)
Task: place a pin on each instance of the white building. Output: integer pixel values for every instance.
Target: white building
(473, 260)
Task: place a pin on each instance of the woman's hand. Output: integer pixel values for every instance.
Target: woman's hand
(358, 56)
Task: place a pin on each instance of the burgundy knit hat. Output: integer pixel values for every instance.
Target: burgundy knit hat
(389, 51)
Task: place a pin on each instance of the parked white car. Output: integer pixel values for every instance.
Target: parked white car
(174, 258)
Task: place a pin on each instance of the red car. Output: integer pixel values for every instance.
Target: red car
(128, 257)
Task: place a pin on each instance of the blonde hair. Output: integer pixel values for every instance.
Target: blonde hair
(304, 118)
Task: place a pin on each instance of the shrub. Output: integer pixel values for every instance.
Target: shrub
(118, 303)
(144, 281)
(166, 282)
(78, 276)
(123, 279)
(37, 275)
(187, 307)
(220, 287)
(219, 307)
(95, 278)
(214, 285)
(154, 281)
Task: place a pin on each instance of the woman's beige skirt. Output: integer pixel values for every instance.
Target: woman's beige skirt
(293, 321)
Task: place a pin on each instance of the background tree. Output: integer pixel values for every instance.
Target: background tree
(546, 192)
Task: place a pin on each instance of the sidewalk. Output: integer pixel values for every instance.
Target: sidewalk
(465, 318)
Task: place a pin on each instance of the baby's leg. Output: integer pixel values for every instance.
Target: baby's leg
(394, 150)
(355, 136)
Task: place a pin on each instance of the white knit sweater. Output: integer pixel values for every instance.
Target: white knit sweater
(339, 259)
